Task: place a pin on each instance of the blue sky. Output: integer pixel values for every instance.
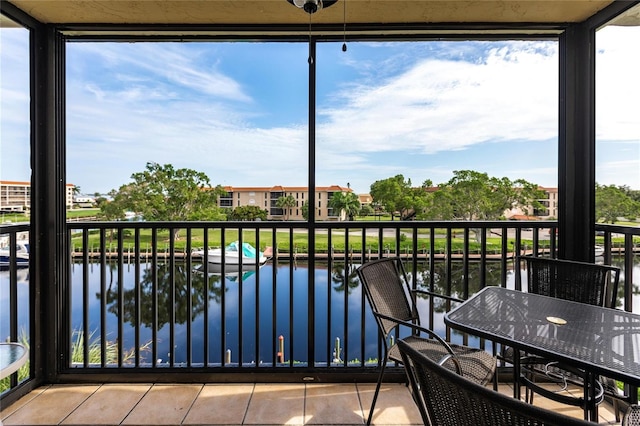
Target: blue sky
(238, 111)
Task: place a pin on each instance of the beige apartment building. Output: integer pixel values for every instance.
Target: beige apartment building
(550, 203)
(15, 196)
(266, 198)
(548, 211)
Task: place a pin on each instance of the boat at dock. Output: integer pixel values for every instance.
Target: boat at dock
(22, 255)
(234, 254)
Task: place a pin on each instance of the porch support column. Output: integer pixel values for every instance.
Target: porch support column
(311, 199)
(48, 209)
(576, 143)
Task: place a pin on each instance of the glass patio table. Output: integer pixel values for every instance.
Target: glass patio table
(601, 341)
(12, 357)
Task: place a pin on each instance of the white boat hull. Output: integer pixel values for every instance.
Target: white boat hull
(233, 254)
(232, 258)
(22, 256)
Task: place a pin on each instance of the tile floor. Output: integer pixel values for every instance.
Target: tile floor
(227, 404)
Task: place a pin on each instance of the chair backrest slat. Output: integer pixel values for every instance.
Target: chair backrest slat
(450, 399)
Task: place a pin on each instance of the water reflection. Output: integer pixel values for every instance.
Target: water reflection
(168, 288)
(247, 311)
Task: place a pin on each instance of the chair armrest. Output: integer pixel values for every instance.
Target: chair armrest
(434, 294)
(415, 327)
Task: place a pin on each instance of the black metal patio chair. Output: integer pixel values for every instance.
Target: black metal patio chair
(387, 290)
(582, 282)
(632, 416)
(447, 399)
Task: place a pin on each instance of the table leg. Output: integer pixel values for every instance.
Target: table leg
(590, 406)
(516, 373)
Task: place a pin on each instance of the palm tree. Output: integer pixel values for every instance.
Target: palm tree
(285, 203)
(347, 201)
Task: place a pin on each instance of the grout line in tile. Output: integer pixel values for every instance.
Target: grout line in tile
(246, 410)
(360, 402)
(304, 404)
(136, 404)
(38, 392)
(192, 403)
(80, 404)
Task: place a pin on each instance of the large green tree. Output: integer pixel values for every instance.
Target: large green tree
(112, 209)
(164, 193)
(613, 202)
(345, 201)
(634, 194)
(285, 203)
(396, 195)
(472, 195)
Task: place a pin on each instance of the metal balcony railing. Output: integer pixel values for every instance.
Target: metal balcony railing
(140, 301)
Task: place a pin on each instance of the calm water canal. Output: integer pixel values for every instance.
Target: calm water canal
(244, 313)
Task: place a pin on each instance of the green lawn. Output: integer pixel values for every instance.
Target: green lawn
(81, 213)
(300, 241)
(71, 214)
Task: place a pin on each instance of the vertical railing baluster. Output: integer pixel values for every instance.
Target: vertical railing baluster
(13, 297)
(172, 296)
(154, 296)
(256, 344)
(504, 256)
(223, 300)
(85, 298)
(465, 275)
(345, 277)
(483, 257)
(103, 300)
(628, 272)
(274, 307)
(432, 274)
(536, 241)
(121, 315)
(363, 303)
(240, 299)
(449, 272)
(188, 302)
(291, 289)
(205, 325)
(465, 264)
(138, 296)
(329, 291)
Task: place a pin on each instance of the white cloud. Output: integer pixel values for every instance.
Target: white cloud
(440, 105)
(165, 62)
